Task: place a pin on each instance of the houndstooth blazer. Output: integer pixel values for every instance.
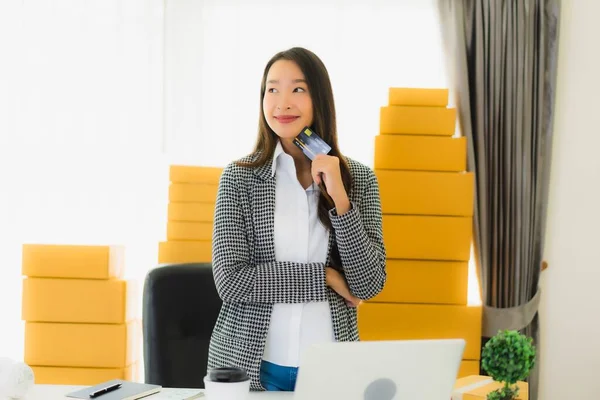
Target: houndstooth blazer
(250, 281)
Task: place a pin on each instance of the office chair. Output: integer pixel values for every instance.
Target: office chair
(180, 308)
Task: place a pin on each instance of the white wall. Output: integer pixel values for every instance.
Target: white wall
(570, 309)
(81, 126)
(216, 50)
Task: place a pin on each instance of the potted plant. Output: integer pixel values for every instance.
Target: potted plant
(508, 357)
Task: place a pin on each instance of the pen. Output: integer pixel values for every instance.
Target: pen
(105, 390)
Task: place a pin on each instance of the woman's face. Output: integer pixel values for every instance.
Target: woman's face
(287, 105)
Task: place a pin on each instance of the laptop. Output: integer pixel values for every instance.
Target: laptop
(380, 370)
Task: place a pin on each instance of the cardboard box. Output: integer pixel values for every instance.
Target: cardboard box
(425, 282)
(426, 193)
(468, 367)
(82, 376)
(383, 321)
(191, 212)
(418, 97)
(420, 153)
(68, 261)
(110, 301)
(198, 231)
(413, 120)
(193, 192)
(81, 345)
(427, 237)
(185, 252)
(477, 387)
(194, 174)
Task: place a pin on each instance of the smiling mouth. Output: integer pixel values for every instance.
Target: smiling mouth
(286, 119)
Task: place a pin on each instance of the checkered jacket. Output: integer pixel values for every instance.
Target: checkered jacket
(250, 281)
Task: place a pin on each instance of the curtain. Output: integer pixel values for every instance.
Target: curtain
(503, 57)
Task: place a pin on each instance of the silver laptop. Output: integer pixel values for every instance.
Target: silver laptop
(380, 370)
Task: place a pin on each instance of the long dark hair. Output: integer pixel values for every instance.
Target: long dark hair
(324, 120)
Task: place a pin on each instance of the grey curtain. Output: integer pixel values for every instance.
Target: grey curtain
(502, 58)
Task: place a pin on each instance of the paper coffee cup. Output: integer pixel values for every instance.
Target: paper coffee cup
(226, 383)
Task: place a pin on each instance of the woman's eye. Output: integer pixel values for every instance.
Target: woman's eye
(299, 90)
(272, 90)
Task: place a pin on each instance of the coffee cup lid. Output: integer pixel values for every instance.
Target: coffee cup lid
(227, 374)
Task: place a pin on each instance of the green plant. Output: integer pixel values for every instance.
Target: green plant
(508, 357)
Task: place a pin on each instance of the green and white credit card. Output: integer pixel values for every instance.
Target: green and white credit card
(310, 143)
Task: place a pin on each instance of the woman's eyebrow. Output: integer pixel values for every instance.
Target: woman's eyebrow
(276, 81)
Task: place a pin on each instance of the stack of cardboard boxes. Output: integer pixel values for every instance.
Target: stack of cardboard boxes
(427, 204)
(80, 324)
(192, 196)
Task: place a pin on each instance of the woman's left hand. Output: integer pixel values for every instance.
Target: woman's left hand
(326, 169)
(337, 282)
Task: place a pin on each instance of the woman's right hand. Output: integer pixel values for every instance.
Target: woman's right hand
(337, 282)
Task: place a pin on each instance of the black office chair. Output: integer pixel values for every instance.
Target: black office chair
(180, 308)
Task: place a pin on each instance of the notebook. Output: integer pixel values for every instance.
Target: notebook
(127, 391)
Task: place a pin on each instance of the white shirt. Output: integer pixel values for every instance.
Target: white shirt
(299, 237)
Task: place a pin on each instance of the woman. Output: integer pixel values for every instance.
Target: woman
(297, 244)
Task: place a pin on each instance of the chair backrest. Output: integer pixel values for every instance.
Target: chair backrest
(180, 308)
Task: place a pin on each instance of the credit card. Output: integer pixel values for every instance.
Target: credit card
(311, 144)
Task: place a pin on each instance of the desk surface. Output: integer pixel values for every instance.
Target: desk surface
(58, 392)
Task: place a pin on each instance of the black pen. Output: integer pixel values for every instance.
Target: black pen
(105, 390)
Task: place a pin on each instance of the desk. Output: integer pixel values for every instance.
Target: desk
(58, 392)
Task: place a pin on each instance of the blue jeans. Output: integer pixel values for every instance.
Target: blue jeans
(275, 377)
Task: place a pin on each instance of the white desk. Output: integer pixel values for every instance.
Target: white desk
(58, 392)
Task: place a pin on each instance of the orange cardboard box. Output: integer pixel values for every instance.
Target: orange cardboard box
(71, 261)
(418, 97)
(109, 301)
(193, 192)
(82, 376)
(477, 387)
(414, 120)
(199, 231)
(426, 282)
(386, 321)
(191, 212)
(426, 193)
(427, 237)
(180, 251)
(421, 153)
(468, 367)
(194, 174)
(81, 345)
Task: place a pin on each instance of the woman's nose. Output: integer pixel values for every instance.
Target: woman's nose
(284, 102)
